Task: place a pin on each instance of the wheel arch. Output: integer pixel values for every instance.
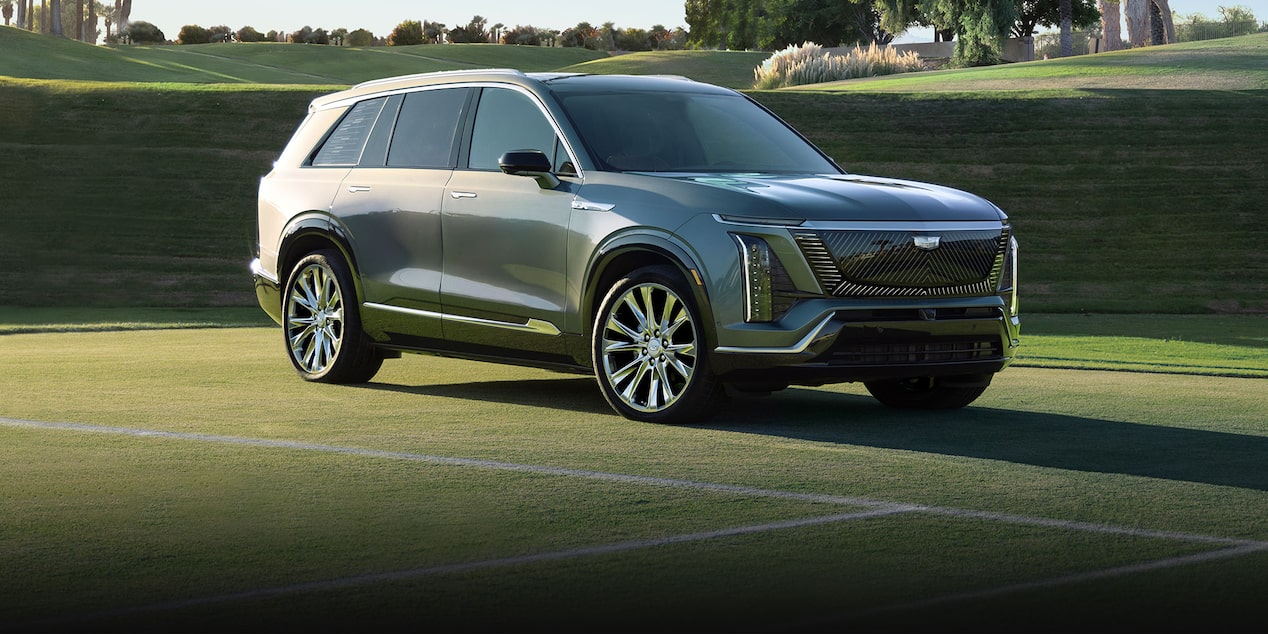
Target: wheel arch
(314, 233)
(626, 255)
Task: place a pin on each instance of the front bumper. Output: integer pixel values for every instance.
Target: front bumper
(843, 343)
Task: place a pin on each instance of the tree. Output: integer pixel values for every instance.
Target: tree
(584, 35)
(434, 32)
(142, 32)
(6, 9)
(108, 16)
(122, 14)
(522, 35)
(496, 34)
(980, 27)
(249, 34)
(1111, 24)
(407, 33)
(55, 19)
(1067, 28)
(220, 33)
(193, 34)
(1032, 14)
(473, 32)
(338, 36)
(360, 37)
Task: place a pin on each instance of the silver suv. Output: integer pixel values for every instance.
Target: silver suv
(671, 237)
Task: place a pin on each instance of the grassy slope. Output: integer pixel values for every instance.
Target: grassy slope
(31, 56)
(1225, 64)
(733, 69)
(1125, 200)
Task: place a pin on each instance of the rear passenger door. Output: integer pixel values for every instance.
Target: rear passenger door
(505, 237)
(391, 203)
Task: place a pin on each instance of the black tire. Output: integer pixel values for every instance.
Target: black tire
(321, 323)
(948, 392)
(653, 370)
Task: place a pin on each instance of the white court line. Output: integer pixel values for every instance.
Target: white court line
(1006, 518)
(1239, 547)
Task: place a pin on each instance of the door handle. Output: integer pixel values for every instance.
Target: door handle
(462, 194)
(357, 189)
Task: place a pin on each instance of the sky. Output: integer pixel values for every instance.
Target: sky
(380, 16)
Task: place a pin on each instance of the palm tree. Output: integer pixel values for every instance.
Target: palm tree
(1111, 24)
(55, 19)
(1067, 20)
(107, 16)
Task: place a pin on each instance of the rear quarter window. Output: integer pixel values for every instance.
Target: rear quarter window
(344, 145)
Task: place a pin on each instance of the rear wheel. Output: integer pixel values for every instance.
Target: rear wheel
(322, 325)
(929, 392)
(648, 349)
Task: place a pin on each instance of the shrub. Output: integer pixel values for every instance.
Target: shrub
(193, 34)
(810, 64)
(142, 32)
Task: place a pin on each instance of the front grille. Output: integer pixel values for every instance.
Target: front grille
(941, 350)
(889, 264)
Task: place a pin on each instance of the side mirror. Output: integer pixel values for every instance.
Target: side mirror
(532, 163)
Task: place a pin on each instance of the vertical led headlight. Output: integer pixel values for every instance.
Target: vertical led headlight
(1008, 277)
(755, 260)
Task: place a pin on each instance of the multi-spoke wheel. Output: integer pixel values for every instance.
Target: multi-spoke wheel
(322, 326)
(649, 350)
(928, 392)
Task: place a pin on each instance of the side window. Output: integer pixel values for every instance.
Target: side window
(507, 120)
(343, 146)
(426, 129)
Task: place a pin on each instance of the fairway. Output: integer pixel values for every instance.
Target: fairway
(186, 479)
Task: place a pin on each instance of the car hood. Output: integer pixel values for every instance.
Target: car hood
(845, 197)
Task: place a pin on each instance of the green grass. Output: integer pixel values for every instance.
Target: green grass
(31, 56)
(98, 521)
(733, 69)
(1219, 65)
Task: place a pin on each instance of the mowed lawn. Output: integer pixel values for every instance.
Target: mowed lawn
(189, 480)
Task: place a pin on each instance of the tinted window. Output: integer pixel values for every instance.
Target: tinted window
(507, 120)
(344, 145)
(689, 132)
(426, 129)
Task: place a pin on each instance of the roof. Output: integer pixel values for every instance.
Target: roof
(563, 82)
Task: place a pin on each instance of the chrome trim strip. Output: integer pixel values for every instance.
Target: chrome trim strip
(764, 223)
(796, 348)
(533, 325)
(891, 225)
(583, 205)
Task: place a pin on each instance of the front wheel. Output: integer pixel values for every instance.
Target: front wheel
(321, 323)
(929, 392)
(648, 349)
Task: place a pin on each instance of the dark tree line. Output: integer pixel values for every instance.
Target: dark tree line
(977, 26)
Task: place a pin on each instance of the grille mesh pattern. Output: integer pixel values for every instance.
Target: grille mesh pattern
(888, 263)
(877, 353)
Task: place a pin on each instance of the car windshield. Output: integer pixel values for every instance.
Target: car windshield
(688, 132)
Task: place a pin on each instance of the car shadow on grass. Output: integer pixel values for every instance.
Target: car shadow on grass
(574, 394)
(1045, 440)
(1039, 439)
